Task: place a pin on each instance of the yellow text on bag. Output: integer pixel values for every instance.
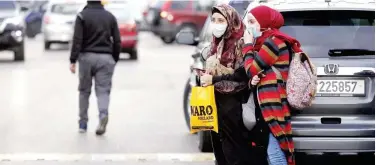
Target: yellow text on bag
(203, 109)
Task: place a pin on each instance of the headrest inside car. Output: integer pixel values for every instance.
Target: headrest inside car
(316, 22)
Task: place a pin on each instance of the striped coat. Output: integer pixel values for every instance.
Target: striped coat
(272, 92)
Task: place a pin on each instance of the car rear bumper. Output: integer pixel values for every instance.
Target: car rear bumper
(62, 33)
(129, 41)
(341, 145)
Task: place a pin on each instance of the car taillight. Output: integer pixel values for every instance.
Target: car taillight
(46, 20)
(133, 27)
(128, 27)
(170, 17)
(145, 12)
(166, 15)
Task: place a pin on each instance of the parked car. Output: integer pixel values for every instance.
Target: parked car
(339, 38)
(12, 29)
(127, 27)
(167, 18)
(59, 20)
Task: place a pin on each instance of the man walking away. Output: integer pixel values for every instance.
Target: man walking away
(96, 46)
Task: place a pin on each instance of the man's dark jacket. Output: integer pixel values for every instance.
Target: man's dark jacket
(96, 30)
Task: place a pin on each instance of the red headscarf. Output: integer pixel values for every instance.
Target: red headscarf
(272, 20)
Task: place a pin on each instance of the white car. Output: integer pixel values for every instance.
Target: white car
(58, 21)
(338, 35)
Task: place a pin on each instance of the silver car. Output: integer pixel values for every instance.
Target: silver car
(339, 38)
(58, 22)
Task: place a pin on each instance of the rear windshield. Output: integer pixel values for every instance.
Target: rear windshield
(122, 14)
(7, 5)
(240, 6)
(179, 5)
(158, 4)
(65, 8)
(321, 31)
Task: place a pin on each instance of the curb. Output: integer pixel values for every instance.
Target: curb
(113, 157)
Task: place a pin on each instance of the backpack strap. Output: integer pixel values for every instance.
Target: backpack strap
(291, 52)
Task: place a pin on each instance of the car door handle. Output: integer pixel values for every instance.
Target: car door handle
(331, 120)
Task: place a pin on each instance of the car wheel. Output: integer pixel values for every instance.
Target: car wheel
(189, 28)
(167, 40)
(186, 103)
(19, 53)
(133, 55)
(47, 45)
(30, 33)
(204, 141)
(31, 36)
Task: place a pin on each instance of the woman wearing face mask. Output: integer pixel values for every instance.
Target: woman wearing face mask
(224, 68)
(265, 46)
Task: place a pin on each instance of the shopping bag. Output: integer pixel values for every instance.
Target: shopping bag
(203, 108)
(249, 114)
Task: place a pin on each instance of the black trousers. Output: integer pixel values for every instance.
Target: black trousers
(232, 145)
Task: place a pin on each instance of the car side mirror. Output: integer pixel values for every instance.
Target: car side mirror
(205, 53)
(186, 38)
(23, 9)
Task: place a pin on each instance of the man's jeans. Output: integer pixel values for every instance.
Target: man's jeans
(99, 67)
(275, 153)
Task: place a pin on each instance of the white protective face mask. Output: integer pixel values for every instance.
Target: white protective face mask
(253, 30)
(219, 29)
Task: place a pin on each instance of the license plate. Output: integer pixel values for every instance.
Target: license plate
(128, 38)
(341, 88)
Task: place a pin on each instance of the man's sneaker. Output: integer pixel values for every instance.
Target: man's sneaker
(102, 126)
(82, 127)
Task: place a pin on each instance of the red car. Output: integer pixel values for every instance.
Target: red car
(127, 27)
(168, 17)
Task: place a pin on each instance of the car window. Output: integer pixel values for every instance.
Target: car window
(121, 14)
(203, 5)
(206, 33)
(65, 8)
(43, 7)
(320, 31)
(240, 6)
(158, 4)
(7, 5)
(179, 5)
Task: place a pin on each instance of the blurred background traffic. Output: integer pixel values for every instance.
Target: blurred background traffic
(149, 111)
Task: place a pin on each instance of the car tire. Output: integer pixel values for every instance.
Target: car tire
(186, 103)
(31, 36)
(47, 45)
(133, 55)
(30, 33)
(168, 40)
(204, 141)
(189, 28)
(19, 53)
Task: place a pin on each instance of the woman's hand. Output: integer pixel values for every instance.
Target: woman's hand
(248, 37)
(206, 79)
(255, 80)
